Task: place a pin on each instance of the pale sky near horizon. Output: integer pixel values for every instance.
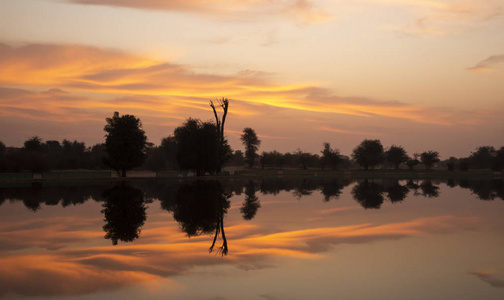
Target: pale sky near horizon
(427, 75)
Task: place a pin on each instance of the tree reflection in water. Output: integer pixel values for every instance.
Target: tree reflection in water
(124, 211)
(251, 205)
(369, 194)
(200, 208)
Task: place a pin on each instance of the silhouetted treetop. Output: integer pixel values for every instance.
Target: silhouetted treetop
(125, 142)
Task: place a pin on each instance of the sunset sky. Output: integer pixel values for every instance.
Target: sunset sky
(427, 75)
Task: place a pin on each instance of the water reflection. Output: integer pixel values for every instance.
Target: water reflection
(124, 211)
(200, 207)
(251, 204)
(67, 247)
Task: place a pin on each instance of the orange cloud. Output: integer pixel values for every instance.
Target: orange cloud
(160, 88)
(303, 11)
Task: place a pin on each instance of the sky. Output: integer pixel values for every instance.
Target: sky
(427, 75)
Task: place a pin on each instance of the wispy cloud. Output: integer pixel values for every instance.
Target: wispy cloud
(487, 64)
(301, 11)
(491, 277)
(440, 17)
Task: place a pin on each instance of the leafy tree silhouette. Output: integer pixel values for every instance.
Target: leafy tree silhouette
(251, 143)
(125, 143)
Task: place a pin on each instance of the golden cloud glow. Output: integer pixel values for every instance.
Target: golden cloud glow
(303, 11)
(161, 88)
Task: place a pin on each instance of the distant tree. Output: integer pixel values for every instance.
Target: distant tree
(330, 156)
(498, 162)
(450, 164)
(273, 159)
(483, 157)
(155, 159)
(34, 155)
(198, 147)
(169, 148)
(96, 158)
(429, 158)
(368, 153)
(236, 159)
(413, 161)
(3, 157)
(396, 155)
(125, 143)
(464, 164)
(306, 159)
(251, 142)
(34, 144)
(72, 154)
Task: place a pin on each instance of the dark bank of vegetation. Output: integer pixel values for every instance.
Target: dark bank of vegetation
(201, 148)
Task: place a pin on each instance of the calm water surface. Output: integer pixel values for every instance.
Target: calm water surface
(318, 238)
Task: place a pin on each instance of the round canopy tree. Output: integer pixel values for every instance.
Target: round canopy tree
(369, 153)
(125, 143)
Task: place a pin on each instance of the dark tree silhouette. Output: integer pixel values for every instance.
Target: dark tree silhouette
(224, 149)
(169, 149)
(251, 205)
(251, 143)
(483, 157)
(124, 211)
(125, 143)
(396, 155)
(368, 194)
(368, 153)
(412, 162)
(429, 158)
(3, 157)
(198, 147)
(34, 155)
(330, 156)
(498, 162)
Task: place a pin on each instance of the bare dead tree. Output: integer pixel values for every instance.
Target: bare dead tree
(224, 104)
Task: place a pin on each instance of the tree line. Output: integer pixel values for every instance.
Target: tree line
(202, 148)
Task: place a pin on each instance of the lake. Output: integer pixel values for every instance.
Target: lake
(270, 238)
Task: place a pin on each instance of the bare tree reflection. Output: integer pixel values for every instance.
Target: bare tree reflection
(200, 208)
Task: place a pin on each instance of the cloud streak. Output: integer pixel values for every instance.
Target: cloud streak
(301, 11)
(487, 64)
(441, 17)
(123, 80)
